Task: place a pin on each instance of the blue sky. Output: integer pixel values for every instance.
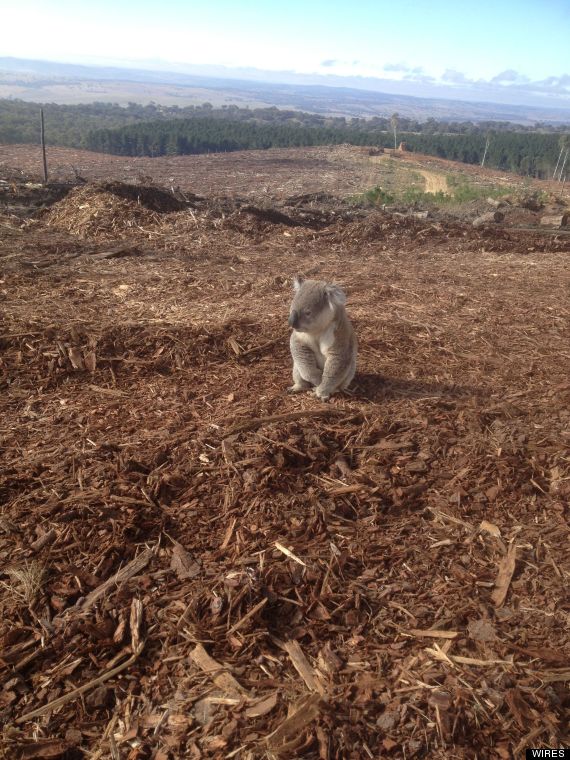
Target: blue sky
(517, 47)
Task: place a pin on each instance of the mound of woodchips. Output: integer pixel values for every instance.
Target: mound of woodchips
(96, 213)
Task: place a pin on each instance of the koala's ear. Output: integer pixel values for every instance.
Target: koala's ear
(298, 280)
(335, 296)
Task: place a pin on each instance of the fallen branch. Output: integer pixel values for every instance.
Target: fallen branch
(133, 568)
(456, 659)
(255, 349)
(137, 646)
(248, 615)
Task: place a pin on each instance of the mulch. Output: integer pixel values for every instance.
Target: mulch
(195, 564)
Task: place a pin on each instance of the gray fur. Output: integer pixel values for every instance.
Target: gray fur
(323, 343)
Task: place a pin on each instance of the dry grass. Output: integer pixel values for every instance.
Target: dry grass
(25, 582)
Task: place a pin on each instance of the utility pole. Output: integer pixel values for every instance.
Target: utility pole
(563, 165)
(485, 151)
(43, 145)
(556, 167)
(394, 123)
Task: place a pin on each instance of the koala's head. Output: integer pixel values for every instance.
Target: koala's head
(314, 305)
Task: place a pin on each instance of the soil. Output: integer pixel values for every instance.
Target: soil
(435, 183)
(340, 170)
(196, 564)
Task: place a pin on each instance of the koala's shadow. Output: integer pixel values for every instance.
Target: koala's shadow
(374, 387)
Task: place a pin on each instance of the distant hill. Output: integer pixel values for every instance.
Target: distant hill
(45, 81)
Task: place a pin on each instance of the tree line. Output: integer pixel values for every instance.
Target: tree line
(155, 130)
(528, 153)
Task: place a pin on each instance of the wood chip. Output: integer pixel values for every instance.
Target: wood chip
(183, 564)
(303, 667)
(263, 706)
(45, 748)
(223, 680)
(303, 713)
(504, 576)
(433, 634)
(289, 553)
(491, 528)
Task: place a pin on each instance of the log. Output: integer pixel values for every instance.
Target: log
(490, 217)
(554, 220)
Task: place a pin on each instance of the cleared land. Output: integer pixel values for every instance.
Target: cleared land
(194, 563)
(274, 174)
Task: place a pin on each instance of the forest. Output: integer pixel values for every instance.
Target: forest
(529, 153)
(153, 130)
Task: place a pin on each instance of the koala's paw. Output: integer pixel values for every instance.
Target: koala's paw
(296, 388)
(322, 394)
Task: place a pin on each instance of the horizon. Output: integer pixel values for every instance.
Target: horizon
(514, 54)
(212, 77)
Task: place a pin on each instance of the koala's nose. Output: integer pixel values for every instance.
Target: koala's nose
(294, 319)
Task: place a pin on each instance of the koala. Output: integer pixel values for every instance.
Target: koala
(323, 343)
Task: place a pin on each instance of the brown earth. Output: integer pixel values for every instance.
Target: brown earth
(341, 170)
(196, 564)
(435, 183)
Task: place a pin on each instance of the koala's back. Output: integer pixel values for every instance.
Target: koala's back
(345, 340)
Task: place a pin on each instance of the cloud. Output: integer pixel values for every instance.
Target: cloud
(508, 86)
(557, 84)
(452, 76)
(419, 77)
(516, 82)
(335, 63)
(399, 67)
(416, 74)
(496, 87)
(510, 75)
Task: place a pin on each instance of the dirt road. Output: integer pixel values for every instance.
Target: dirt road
(435, 183)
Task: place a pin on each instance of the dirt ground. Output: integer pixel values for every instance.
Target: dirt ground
(435, 183)
(195, 564)
(264, 175)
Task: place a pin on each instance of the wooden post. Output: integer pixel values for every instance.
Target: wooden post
(394, 123)
(556, 167)
(563, 165)
(485, 151)
(43, 145)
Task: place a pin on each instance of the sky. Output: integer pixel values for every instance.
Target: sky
(519, 49)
